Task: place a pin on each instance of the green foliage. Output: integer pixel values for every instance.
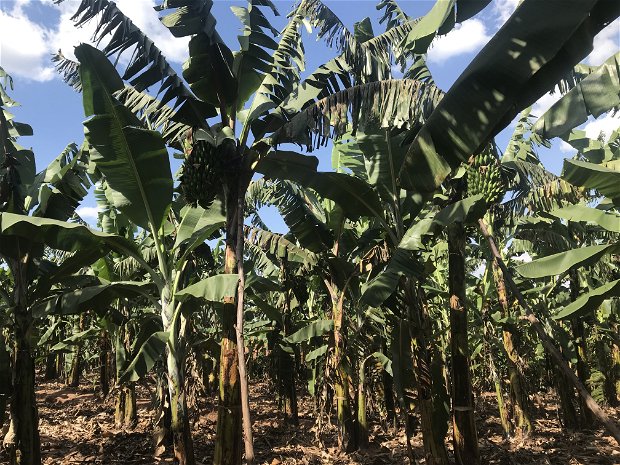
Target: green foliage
(211, 289)
(315, 329)
(605, 180)
(146, 356)
(596, 94)
(134, 160)
(559, 263)
(496, 86)
(590, 301)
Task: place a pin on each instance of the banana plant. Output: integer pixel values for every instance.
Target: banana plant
(136, 167)
(35, 210)
(265, 75)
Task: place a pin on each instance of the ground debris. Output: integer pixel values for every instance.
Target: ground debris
(77, 427)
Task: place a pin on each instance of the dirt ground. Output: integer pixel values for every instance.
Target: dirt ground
(77, 427)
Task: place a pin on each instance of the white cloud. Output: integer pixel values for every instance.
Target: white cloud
(144, 16)
(88, 212)
(544, 103)
(606, 43)
(27, 53)
(467, 37)
(607, 124)
(24, 49)
(565, 147)
(505, 8)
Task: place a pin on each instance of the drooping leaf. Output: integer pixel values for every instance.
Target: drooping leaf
(589, 301)
(197, 224)
(404, 261)
(595, 150)
(261, 284)
(209, 71)
(603, 179)
(353, 195)
(147, 66)
(75, 339)
(70, 237)
(57, 191)
(367, 107)
(288, 61)
(598, 93)
(298, 211)
(466, 210)
(278, 246)
(270, 311)
(580, 213)
(254, 59)
(559, 263)
(510, 73)
(212, 289)
(315, 329)
(316, 353)
(384, 361)
(347, 156)
(393, 15)
(329, 78)
(383, 157)
(133, 159)
(149, 353)
(96, 297)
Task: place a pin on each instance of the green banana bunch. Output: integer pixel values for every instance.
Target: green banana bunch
(202, 173)
(484, 177)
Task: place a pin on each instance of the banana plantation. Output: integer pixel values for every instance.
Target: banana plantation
(435, 298)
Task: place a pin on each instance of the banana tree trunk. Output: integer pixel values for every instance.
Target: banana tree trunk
(615, 371)
(181, 434)
(104, 363)
(362, 421)
(248, 440)
(548, 344)
(228, 449)
(24, 446)
(286, 363)
(402, 368)
(162, 436)
(604, 364)
(579, 336)
(119, 408)
(346, 435)
(77, 363)
(50, 366)
(285, 366)
(6, 383)
(125, 411)
(518, 393)
(428, 376)
(228, 435)
(499, 392)
(583, 371)
(60, 365)
(463, 422)
(388, 393)
(130, 414)
(567, 398)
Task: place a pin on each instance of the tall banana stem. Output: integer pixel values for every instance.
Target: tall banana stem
(243, 377)
(547, 342)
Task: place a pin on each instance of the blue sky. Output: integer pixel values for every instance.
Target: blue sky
(30, 30)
